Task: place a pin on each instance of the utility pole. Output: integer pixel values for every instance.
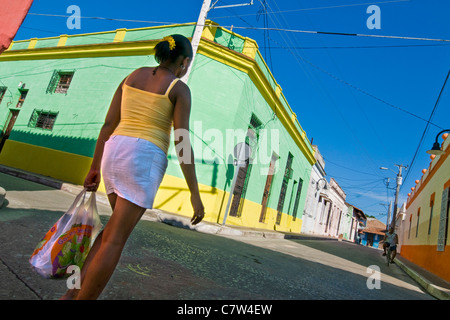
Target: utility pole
(388, 214)
(390, 203)
(198, 34)
(397, 190)
(206, 7)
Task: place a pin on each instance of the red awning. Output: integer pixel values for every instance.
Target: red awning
(12, 14)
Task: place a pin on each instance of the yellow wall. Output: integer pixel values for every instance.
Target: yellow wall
(44, 161)
(422, 249)
(172, 196)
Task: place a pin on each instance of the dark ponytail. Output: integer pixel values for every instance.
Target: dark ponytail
(180, 47)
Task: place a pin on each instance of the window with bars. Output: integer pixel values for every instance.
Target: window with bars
(287, 175)
(60, 81)
(42, 119)
(297, 198)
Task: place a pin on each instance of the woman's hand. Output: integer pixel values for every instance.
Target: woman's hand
(92, 180)
(199, 210)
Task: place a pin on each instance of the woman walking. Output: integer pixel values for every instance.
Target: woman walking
(131, 152)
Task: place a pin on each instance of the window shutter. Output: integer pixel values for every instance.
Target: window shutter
(53, 82)
(442, 235)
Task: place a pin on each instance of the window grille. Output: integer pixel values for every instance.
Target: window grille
(60, 81)
(42, 119)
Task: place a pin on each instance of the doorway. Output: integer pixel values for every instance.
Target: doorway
(267, 188)
(7, 128)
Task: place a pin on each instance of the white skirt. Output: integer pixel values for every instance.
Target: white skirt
(133, 168)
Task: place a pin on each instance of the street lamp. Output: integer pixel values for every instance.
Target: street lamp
(436, 149)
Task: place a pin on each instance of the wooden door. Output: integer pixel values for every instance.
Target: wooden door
(239, 190)
(267, 188)
(9, 124)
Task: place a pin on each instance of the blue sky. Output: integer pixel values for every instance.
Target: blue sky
(361, 99)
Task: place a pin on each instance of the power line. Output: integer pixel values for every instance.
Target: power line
(318, 8)
(99, 18)
(426, 127)
(365, 92)
(256, 28)
(336, 164)
(341, 33)
(305, 60)
(365, 47)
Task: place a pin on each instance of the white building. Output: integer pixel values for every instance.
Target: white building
(317, 186)
(338, 209)
(326, 212)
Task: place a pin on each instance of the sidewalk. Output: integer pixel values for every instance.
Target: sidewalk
(434, 285)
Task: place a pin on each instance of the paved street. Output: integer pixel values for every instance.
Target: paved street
(166, 262)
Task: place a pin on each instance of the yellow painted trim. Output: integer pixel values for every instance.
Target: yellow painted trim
(105, 32)
(83, 51)
(32, 43)
(250, 48)
(120, 35)
(278, 91)
(209, 31)
(294, 117)
(62, 40)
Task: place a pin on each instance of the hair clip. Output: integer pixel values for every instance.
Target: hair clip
(171, 42)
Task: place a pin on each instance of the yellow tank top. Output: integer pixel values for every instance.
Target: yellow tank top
(146, 115)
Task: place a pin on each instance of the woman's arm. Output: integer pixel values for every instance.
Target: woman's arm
(112, 119)
(183, 145)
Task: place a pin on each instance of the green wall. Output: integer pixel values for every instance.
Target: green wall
(223, 98)
(80, 112)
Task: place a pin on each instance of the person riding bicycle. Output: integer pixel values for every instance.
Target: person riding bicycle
(390, 240)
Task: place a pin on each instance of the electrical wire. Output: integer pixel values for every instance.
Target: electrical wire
(257, 28)
(366, 47)
(266, 28)
(98, 18)
(317, 8)
(425, 130)
(356, 102)
(305, 60)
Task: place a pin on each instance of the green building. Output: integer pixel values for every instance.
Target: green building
(55, 92)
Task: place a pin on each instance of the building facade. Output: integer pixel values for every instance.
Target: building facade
(423, 227)
(373, 233)
(359, 220)
(330, 222)
(317, 185)
(55, 92)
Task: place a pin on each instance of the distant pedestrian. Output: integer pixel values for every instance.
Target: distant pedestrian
(131, 152)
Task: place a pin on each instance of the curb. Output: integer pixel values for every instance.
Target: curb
(2, 196)
(205, 226)
(436, 291)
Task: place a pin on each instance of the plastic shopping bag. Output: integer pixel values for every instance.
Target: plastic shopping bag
(68, 242)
